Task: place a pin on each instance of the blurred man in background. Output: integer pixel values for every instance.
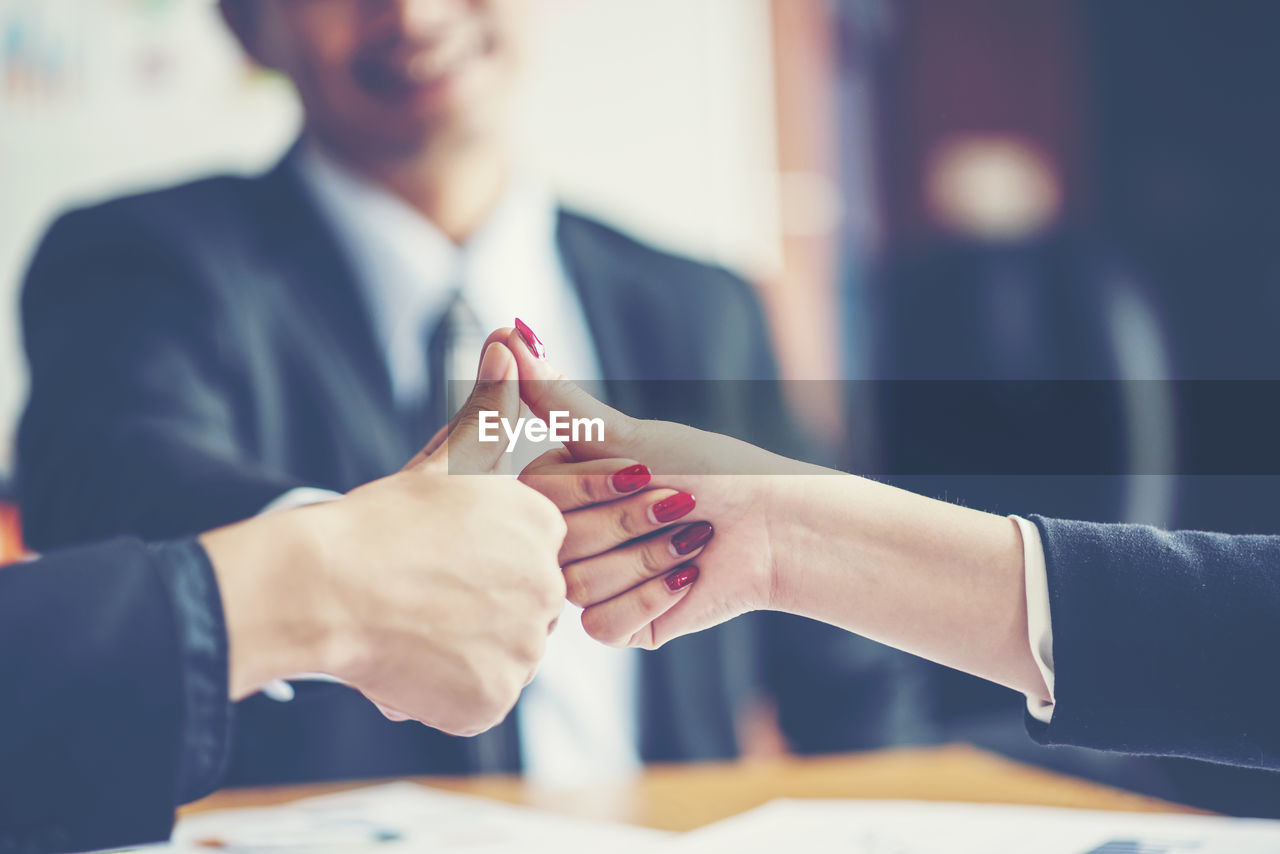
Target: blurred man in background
(235, 346)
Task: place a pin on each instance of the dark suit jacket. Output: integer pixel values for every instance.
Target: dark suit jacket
(198, 351)
(1162, 642)
(92, 748)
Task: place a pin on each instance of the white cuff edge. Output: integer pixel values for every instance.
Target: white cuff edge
(1039, 616)
(301, 496)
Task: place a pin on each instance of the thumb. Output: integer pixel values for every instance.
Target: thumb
(546, 390)
(496, 396)
(443, 433)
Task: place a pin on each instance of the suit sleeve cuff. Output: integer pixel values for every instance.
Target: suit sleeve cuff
(205, 737)
(1039, 619)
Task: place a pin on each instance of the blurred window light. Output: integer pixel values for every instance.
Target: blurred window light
(994, 187)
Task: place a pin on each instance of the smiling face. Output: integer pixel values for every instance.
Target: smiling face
(387, 78)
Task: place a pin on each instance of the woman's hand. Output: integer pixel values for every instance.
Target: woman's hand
(941, 581)
(651, 564)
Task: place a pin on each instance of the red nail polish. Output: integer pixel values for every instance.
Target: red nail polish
(531, 340)
(682, 578)
(631, 478)
(670, 509)
(689, 540)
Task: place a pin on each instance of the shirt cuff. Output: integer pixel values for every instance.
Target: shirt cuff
(301, 496)
(205, 737)
(1039, 617)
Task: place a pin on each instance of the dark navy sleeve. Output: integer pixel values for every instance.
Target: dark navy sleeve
(1163, 642)
(113, 659)
(202, 644)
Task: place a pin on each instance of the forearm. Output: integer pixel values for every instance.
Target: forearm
(931, 578)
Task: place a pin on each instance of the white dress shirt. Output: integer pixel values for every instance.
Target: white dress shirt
(578, 718)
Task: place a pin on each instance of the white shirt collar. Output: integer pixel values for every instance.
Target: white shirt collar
(408, 269)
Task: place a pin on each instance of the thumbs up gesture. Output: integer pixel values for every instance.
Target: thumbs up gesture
(431, 592)
(459, 579)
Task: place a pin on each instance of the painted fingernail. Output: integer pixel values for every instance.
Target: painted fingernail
(631, 478)
(682, 578)
(670, 509)
(689, 540)
(531, 340)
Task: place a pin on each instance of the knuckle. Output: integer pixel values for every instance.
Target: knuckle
(578, 587)
(599, 627)
(584, 490)
(529, 649)
(468, 422)
(651, 600)
(552, 591)
(652, 559)
(546, 516)
(557, 526)
(629, 524)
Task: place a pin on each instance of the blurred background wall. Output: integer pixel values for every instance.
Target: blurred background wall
(657, 115)
(1101, 172)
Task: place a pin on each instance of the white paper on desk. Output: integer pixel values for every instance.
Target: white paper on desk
(404, 817)
(909, 827)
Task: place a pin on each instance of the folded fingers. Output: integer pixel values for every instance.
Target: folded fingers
(601, 528)
(595, 579)
(627, 620)
(575, 485)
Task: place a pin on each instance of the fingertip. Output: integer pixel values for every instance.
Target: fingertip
(498, 364)
(499, 336)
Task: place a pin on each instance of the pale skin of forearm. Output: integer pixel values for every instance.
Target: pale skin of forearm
(931, 578)
(935, 579)
(279, 612)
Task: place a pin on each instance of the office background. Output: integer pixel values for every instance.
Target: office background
(103, 97)
(921, 189)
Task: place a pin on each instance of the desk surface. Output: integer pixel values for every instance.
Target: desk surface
(690, 796)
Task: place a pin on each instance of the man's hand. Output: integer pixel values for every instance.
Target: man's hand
(431, 593)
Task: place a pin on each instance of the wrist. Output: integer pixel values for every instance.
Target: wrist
(281, 613)
(792, 529)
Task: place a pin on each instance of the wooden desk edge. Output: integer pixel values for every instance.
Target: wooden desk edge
(684, 797)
